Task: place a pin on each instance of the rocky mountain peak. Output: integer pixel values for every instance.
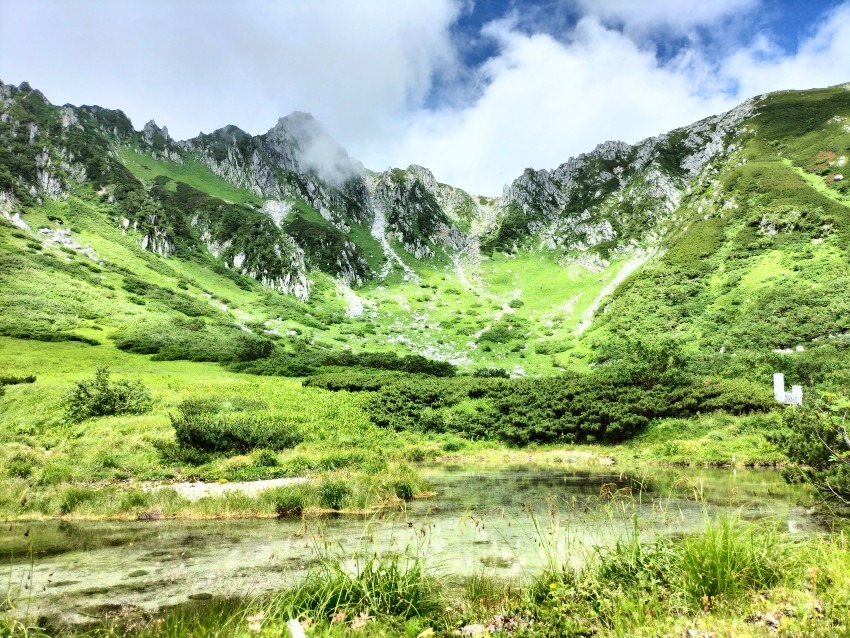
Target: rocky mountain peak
(152, 132)
(414, 171)
(300, 141)
(230, 133)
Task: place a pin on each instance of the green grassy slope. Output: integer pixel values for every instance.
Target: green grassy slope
(761, 263)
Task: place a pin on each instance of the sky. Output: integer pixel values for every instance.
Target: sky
(476, 91)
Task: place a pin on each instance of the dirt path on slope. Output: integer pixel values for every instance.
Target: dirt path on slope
(627, 269)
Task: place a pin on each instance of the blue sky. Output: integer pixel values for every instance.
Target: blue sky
(475, 91)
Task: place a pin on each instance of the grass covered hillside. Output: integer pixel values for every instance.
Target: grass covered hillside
(760, 262)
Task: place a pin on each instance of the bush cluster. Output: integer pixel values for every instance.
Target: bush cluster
(193, 340)
(816, 440)
(39, 330)
(99, 396)
(353, 381)
(553, 346)
(180, 302)
(307, 360)
(207, 426)
(491, 373)
(572, 408)
(413, 364)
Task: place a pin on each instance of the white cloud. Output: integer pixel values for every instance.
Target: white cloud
(546, 101)
(198, 65)
(675, 15)
(822, 59)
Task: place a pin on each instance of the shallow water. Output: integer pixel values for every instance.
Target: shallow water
(500, 521)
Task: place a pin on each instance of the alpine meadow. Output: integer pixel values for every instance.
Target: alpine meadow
(235, 332)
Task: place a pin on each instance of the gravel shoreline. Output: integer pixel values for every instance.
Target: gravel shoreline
(197, 490)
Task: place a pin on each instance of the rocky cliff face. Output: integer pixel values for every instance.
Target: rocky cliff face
(296, 158)
(46, 150)
(419, 213)
(297, 161)
(617, 195)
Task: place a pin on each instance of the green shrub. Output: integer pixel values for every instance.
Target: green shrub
(193, 340)
(265, 458)
(98, 396)
(72, 497)
(413, 364)
(453, 445)
(296, 465)
(14, 379)
(816, 441)
(352, 380)
(201, 425)
(553, 346)
(280, 363)
(404, 489)
(491, 373)
(609, 405)
(134, 499)
(342, 460)
(22, 465)
(498, 334)
(54, 474)
(104, 460)
(174, 453)
(333, 492)
(416, 454)
(39, 330)
(288, 500)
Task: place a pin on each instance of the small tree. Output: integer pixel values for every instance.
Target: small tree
(643, 362)
(818, 443)
(98, 396)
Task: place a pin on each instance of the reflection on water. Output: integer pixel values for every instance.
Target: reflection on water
(481, 520)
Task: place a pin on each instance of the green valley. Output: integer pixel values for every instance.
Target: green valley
(224, 310)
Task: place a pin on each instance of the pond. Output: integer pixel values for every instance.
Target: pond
(499, 521)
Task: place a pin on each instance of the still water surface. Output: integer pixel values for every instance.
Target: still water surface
(480, 520)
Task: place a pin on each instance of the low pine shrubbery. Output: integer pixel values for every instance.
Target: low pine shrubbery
(193, 340)
(333, 491)
(11, 379)
(25, 328)
(353, 381)
(314, 360)
(207, 426)
(412, 364)
(100, 396)
(553, 346)
(572, 408)
(491, 373)
(817, 444)
(14, 380)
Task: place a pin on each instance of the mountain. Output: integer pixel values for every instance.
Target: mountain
(617, 195)
(729, 235)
